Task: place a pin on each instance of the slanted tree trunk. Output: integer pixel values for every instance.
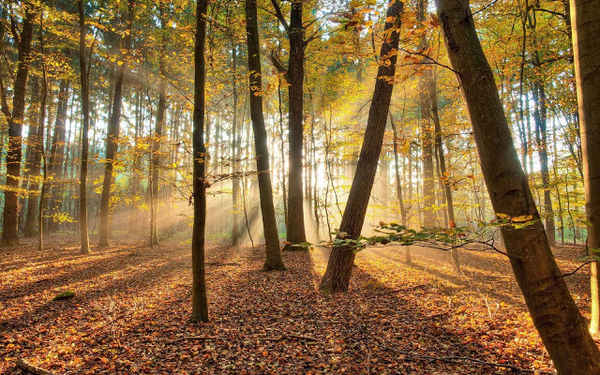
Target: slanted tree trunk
(85, 126)
(10, 227)
(339, 267)
(112, 137)
(585, 21)
(273, 261)
(199, 300)
(553, 311)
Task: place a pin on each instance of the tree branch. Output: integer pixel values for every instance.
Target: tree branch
(280, 16)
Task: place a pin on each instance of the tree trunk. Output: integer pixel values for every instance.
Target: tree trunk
(236, 138)
(35, 143)
(339, 267)
(85, 109)
(273, 261)
(56, 162)
(397, 172)
(112, 138)
(427, 137)
(541, 122)
(296, 233)
(553, 311)
(10, 228)
(158, 133)
(199, 300)
(585, 21)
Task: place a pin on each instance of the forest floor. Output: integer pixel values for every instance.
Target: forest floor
(131, 310)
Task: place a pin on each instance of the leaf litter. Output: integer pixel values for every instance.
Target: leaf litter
(130, 308)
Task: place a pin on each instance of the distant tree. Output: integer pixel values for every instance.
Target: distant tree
(112, 137)
(553, 311)
(339, 267)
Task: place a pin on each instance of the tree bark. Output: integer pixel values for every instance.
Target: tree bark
(85, 126)
(339, 267)
(553, 311)
(273, 261)
(199, 300)
(10, 228)
(112, 138)
(585, 21)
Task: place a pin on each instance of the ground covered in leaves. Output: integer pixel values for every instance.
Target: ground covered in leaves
(130, 313)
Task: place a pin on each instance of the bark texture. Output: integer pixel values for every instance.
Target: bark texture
(10, 228)
(553, 311)
(296, 233)
(339, 267)
(585, 21)
(199, 300)
(273, 260)
(85, 127)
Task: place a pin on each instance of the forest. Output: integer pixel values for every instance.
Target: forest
(299, 187)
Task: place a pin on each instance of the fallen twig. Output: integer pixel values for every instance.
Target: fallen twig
(32, 369)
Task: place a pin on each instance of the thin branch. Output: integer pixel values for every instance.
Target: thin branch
(433, 61)
(280, 16)
(577, 269)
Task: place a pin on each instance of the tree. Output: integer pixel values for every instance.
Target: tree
(85, 127)
(294, 75)
(10, 229)
(199, 300)
(112, 137)
(273, 261)
(339, 267)
(553, 311)
(586, 28)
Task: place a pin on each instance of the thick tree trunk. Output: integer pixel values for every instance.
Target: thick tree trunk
(339, 267)
(273, 261)
(553, 311)
(199, 300)
(295, 77)
(585, 16)
(10, 227)
(85, 109)
(112, 138)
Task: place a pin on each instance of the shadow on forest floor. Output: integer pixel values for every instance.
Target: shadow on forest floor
(132, 307)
